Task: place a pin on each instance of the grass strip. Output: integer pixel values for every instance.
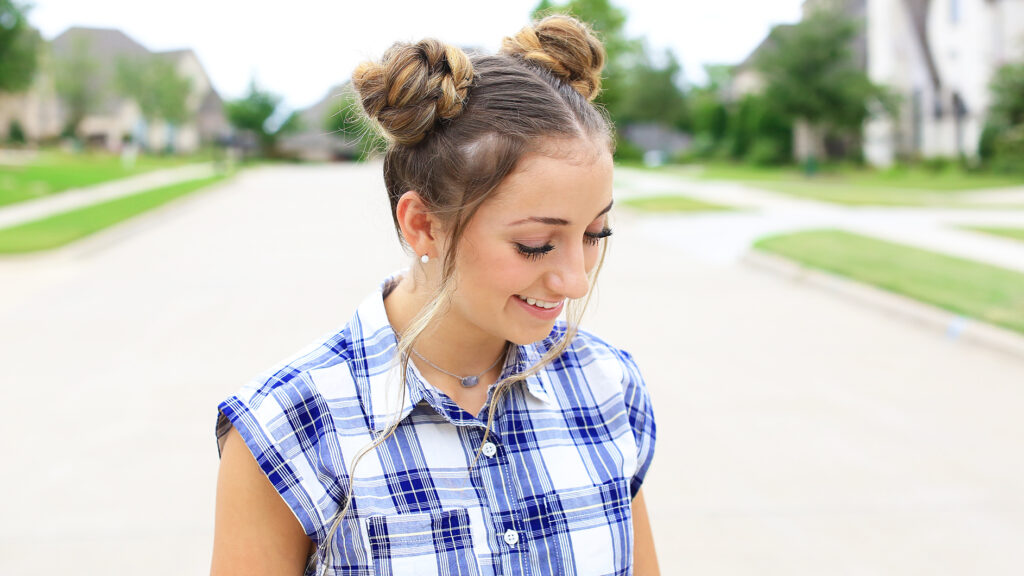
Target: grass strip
(66, 227)
(672, 203)
(973, 289)
(854, 186)
(1012, 233)
(914, 179)
(54, 172)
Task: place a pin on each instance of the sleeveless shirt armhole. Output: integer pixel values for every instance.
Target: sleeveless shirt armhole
(641, 418)
(268, 432)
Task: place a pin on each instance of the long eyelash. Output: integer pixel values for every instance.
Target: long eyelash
(595, 238)
(534, 252)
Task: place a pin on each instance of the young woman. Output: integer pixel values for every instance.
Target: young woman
(455, 425)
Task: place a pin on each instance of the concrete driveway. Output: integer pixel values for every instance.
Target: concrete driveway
(799, 433)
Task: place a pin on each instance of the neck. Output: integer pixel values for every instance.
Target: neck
(449, 341)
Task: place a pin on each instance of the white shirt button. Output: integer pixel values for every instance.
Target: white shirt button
(511, 537)
(489, 449)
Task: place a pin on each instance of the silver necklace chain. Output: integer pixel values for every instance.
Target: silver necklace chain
(466, 381)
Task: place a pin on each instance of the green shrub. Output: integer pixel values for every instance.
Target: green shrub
(702, 147)
(15, 133)
(936, 164)
(1009, 150)
(626, 151)
(767, 152)
(987, 142)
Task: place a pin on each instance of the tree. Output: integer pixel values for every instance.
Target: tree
(634, 88)
(622, 53)
(758, 132)
(75, 76)
(709, 118)
(156, 85)
(1007, 89)
(810, 74)
(1003, 138)
(654, 94)
(252, 113)
(19, 47)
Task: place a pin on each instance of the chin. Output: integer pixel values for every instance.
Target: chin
(526, 337)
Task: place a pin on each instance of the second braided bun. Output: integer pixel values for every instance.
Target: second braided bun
(413, 87)
(564, 46)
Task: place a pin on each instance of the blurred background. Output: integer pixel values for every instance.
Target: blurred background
(818, 262)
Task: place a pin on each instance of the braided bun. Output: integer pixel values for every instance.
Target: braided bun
(566, 47)
(413, 87)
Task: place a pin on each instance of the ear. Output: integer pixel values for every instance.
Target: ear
(419, 226)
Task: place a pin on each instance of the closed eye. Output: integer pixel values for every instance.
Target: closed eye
(535, 252)
(594, 238)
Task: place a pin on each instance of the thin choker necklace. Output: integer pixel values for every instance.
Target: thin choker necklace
(466, 381)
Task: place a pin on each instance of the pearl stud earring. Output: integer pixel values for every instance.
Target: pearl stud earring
(424, 258)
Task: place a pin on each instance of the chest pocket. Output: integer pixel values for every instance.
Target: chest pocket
(597, 523)
(423, 543)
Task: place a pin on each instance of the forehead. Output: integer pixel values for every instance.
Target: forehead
(573, 180)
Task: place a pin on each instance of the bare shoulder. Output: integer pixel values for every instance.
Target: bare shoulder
(255, 532)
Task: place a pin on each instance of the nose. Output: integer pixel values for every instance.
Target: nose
(569, 276)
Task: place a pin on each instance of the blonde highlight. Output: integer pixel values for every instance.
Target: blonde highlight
(457, 126)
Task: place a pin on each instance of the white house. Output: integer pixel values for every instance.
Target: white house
(42, 114)
(939, 56)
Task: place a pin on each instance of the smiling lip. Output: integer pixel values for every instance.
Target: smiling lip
(542, 313)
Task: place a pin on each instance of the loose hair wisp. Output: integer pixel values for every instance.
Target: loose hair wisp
(457, 126)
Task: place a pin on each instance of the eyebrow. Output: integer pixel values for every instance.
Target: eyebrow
(557, 221)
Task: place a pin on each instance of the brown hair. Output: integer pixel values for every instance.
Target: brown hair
(458, 125)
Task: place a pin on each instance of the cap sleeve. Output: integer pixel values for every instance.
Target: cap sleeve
(641, 418)
(287, 426)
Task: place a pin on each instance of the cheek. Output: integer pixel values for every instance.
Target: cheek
(492, 268)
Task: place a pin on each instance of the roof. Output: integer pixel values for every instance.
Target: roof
(106, 46)
(767, 43)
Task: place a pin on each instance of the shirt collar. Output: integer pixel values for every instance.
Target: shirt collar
(376, 347)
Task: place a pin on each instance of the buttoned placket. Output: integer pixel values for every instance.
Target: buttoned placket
(495, 470)
(493, 467)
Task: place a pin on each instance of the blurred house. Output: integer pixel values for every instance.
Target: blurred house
(314, 142)
(938, 56)
(117, 118)
(659, 143)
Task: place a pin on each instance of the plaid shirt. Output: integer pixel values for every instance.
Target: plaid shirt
(549, 494)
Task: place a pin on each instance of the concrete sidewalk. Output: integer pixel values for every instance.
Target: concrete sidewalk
(723, 237)
(68, 200)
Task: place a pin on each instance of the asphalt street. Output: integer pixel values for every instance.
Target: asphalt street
(798, 432)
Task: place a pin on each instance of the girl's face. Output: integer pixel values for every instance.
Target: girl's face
(532, 245)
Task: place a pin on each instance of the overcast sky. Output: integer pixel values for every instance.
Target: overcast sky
(300, 48)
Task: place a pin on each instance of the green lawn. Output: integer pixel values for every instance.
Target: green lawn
(952, 179)
(61, 229)
(864, 186)
(672, 203)
(1013, 233)
(987, 293)
(53, 172)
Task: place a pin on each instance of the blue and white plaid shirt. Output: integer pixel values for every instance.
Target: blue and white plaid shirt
(549, 494)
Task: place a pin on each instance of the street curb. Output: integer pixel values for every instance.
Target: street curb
(952, 325)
